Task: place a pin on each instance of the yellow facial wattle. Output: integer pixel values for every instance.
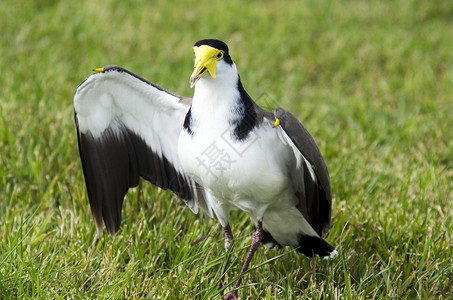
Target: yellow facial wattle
(206, 58)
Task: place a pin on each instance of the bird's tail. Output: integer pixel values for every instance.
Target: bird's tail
(312, 245)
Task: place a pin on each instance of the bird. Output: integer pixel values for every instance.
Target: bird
(218, 151)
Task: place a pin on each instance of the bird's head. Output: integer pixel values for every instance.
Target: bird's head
(209, 55)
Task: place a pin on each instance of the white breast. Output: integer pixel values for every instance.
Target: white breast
(243, 174)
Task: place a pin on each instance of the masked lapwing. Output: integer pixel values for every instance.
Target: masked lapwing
(219, 151)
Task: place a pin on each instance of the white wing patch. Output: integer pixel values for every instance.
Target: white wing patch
(105, 96)
(297, 154)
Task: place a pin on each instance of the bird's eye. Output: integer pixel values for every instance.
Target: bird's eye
(219, 55)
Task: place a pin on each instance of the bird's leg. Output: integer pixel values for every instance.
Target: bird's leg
(256, 239)
(228, 241)
(228, 236)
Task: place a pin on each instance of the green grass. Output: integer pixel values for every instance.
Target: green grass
(371, 80)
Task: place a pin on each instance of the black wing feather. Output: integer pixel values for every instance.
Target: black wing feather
(316, 197)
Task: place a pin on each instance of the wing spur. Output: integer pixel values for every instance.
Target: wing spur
(313, 187)
(129, 127)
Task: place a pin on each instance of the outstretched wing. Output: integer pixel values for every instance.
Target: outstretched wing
(310, 174)
(128, 127)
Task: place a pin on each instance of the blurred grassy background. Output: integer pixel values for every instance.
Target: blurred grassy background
(371, 80)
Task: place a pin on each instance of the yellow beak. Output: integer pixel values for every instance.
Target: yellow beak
(205, 62)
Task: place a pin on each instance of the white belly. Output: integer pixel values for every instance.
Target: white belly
(243, 175)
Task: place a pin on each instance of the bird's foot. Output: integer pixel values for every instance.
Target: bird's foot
(231, 296)
(199, 240)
